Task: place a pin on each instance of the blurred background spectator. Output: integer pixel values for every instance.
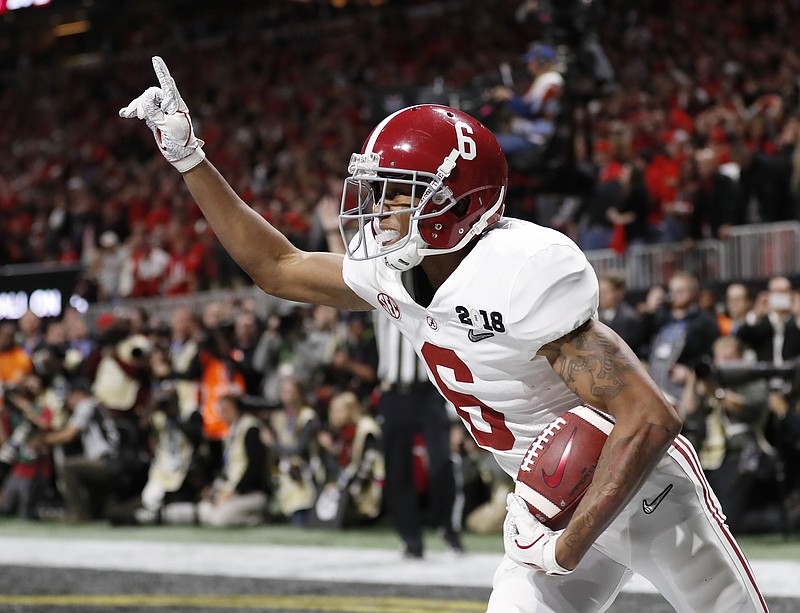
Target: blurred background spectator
(534, 112)
(482, 486)
(738, 305)
(683, 338)
(27, 465)
(727, 419)
(15, 362)
(238, 495)
(715, 201)
(618, 314)
(219, 376)
(31, 332)
(175, 477)
(297, 467)
(91, 474)
(774, 336)
(353, 364)
(350, 450)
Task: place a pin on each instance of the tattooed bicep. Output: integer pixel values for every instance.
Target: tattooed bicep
(593, 361)
(551, 350)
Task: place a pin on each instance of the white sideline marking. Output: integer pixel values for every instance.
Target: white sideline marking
(375, 566)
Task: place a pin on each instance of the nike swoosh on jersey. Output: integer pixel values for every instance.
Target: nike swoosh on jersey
(479, 336)
(650, 506)
(554, 479)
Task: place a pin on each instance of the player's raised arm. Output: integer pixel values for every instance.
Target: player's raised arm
(273, 263)
(598, 366)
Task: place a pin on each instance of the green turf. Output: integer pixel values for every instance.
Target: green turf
(771, 546)
(379, 536)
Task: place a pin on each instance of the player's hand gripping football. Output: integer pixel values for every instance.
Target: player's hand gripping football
(528, 541)
(167, 115)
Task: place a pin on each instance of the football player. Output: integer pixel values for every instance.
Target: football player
(503, 314)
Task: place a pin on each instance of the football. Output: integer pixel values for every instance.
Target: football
(560, 463)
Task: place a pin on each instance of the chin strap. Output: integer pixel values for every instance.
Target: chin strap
(408, 256)
(479, 226)
(444, 170)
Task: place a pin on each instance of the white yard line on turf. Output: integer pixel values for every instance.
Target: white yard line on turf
(375, 566)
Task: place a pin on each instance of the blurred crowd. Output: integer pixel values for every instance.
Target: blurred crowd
(695, 130)
(231, 418)
(224, 418)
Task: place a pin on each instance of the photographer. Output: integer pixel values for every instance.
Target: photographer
(291, 434)
(174, 476)
(783, 431)
(238, 495)
(772, 332)
(725, 418)
(92, 476)
(120, 368)
(350, 449)
(26, 466)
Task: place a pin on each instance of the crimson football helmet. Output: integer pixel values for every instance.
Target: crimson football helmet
(451, 166)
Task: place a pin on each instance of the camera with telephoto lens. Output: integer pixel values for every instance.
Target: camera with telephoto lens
(10, 395)
(23, 428)
(782, 378)
(166, 401)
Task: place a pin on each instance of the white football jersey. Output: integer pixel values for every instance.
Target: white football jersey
(520, 287)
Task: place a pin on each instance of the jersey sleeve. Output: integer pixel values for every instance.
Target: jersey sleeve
(556, 290)
(361, 276)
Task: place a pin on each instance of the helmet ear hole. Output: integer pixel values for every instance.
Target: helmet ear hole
(462, 207)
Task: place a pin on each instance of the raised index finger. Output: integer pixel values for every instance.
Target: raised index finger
(165, 80)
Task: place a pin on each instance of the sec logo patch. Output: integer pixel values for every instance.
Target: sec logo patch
(389, 305)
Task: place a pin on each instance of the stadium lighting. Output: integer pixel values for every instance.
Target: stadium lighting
(72, 27)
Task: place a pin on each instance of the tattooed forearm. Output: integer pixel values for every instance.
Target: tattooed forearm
(603, 371)
(621, 469)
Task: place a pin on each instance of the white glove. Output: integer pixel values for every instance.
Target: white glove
(528, 541)
(167, 115)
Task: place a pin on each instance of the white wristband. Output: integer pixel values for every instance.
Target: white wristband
(549, 554)
(189, 162)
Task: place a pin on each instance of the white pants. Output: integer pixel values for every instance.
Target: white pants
(238, 510)
(682, 547)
